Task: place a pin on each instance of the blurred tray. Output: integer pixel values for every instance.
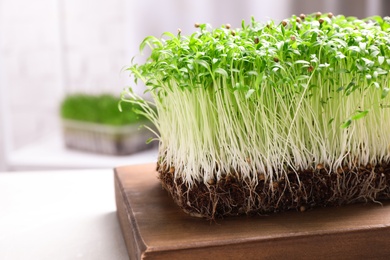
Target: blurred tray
(105, 139)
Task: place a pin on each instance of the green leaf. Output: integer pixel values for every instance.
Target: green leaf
(252, 73)
(354, 48)
(221, 71)
(203, 64)
(169, 34)
(381, 59)
(359, 115)
(385, 91)
(340, 55)
(362, 45)
(381, 71)
(314, 37)
(149, 41)
(324, 65)
(302, 62)
(368, 62)
(352, 86)
(279, 45)
(239, 86)
(346, 123)
(149, 140)
(375, 53)
(249, 93)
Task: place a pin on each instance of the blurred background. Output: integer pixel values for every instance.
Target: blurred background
(53, 48)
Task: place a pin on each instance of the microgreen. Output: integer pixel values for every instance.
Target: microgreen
(268, 97)
(101, 109)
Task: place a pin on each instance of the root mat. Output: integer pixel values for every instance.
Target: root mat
(155, 228)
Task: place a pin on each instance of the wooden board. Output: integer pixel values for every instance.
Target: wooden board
(155, 228)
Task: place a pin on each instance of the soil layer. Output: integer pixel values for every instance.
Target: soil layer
(232, 195)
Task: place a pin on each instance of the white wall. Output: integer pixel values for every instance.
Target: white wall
(2, 119)
(52, 47)
(29, 50)
(93, 45)
(3, 110)
(5, 134)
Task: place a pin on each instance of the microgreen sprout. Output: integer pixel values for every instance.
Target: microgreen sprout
(266, 100)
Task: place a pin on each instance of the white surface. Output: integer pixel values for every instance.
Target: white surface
(50, 153)
(5, 134)
(59, 215)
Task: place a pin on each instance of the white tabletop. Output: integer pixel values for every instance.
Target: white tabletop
(68, 214)
(51, 154)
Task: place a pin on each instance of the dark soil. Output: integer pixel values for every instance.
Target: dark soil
(300, 191)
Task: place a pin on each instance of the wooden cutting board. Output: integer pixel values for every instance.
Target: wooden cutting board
(155, 228)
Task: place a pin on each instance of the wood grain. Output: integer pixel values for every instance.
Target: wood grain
(155, 228)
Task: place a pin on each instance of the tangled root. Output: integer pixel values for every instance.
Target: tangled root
(232, 195)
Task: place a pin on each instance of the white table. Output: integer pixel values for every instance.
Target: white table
(50, 154)
(59, 215)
